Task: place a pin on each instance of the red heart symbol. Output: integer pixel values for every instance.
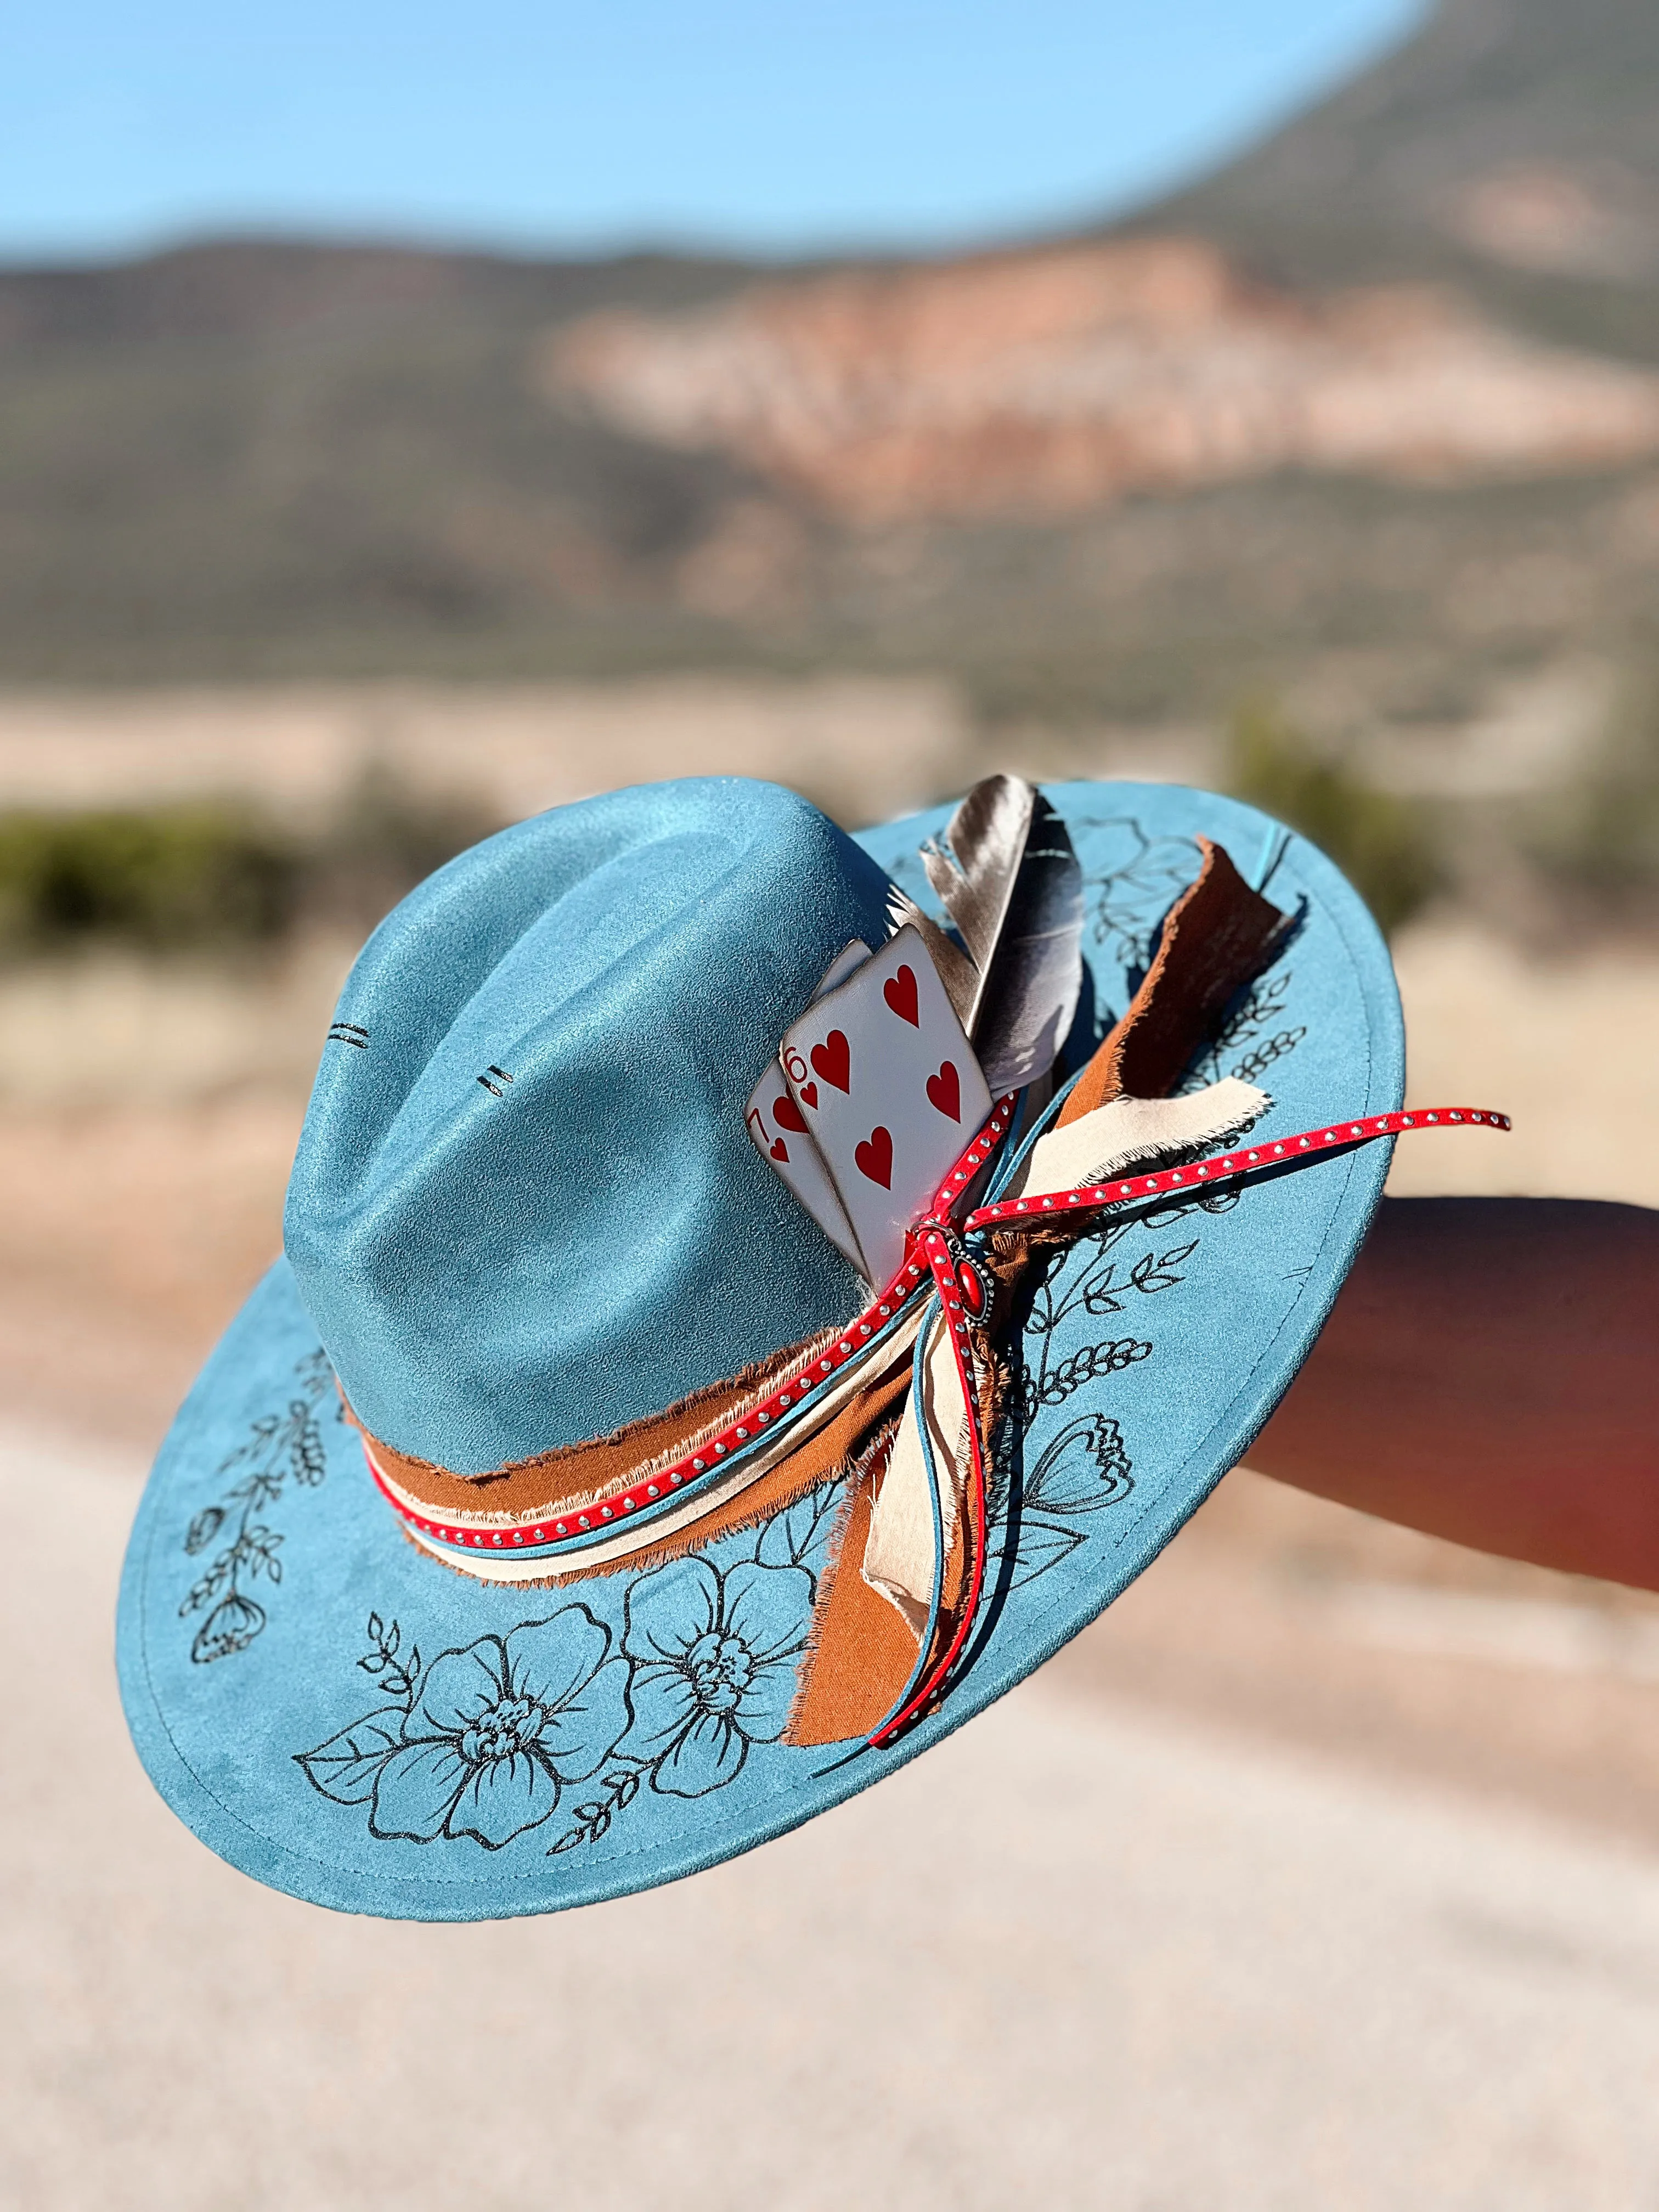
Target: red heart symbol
(808, 1092)
(875, 1157)
(780, 1150)
(900, 993)
(945, 1090)
(833, 1060)
(788, 1116)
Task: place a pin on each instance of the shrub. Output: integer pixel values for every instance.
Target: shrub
(212, 878)
(1381, 843)
(1601, 838)
(169, 877)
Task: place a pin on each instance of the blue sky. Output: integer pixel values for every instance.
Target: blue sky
(788, 127)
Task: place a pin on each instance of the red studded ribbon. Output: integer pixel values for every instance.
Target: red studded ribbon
(1225, 1166)
(963, 1298)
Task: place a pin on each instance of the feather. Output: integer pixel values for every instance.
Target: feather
(972, 871)
(956, 970)
(1011, 883)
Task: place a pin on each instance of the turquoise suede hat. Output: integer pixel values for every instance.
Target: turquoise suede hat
(526, 1222)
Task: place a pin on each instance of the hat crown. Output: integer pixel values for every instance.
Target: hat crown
(500, 1266)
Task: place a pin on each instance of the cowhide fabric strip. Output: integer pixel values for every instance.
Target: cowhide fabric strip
(1217, 937)
(1128, 1131)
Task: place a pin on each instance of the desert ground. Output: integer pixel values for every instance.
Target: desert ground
(1330, 1870)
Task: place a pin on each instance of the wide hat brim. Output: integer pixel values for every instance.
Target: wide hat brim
(342, 1717)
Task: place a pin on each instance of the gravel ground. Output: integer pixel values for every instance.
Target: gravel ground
(1087, 1953)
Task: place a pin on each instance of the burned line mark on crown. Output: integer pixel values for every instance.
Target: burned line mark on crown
(493, 1081)
(349, 1033)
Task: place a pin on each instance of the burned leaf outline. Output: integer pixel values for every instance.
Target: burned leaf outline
(280, 1450)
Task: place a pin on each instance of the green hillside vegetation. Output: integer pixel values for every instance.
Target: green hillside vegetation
(270, 458)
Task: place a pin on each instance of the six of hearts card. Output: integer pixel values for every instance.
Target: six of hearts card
(885, 1086)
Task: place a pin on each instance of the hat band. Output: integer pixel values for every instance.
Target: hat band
(585, 1508)
(597, 1516)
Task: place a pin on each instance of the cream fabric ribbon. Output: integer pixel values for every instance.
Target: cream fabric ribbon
(900, 1557)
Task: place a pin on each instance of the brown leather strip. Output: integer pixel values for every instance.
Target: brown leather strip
(574, 1474)
(1218, 936)
(862, 1650)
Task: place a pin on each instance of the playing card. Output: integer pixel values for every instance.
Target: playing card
(782, 1137)
(852, 954)
(890, 1088)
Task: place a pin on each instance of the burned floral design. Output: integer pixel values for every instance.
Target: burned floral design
(1127, 902)
(1253, 1037)
(1084, 1469)
(715, 1660)
(487, 1739)
(484, 1743)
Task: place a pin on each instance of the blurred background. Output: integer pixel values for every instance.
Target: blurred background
(413, 420)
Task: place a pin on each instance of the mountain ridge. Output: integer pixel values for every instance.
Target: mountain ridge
(280, 458)
(1381, 179)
